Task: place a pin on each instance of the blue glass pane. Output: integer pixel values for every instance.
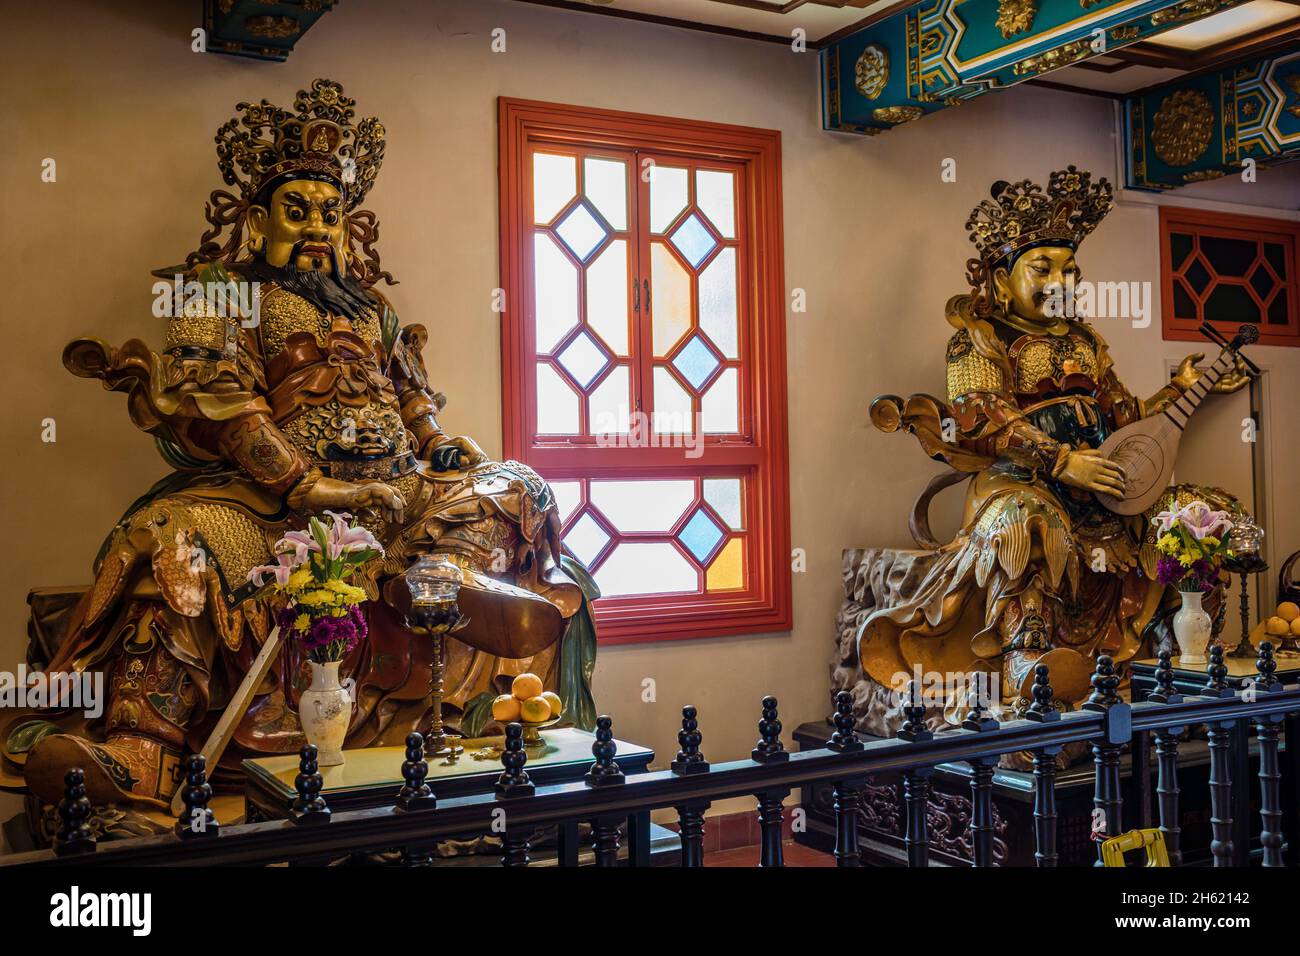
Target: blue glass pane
(696, 362)
(581, 232)
(700, 536)
(693, 240)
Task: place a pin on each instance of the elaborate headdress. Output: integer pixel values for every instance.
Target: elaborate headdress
(317, 139)
(1020, 216)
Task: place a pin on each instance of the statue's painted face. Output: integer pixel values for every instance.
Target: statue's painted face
(301, 223)
(1024, 290)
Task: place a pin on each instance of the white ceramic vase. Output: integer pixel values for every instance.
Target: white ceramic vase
(325, 710)
(1191, 629)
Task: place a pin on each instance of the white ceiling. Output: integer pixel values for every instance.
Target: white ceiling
(818, 18)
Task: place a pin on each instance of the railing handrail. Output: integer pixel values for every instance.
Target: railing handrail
(383, 827)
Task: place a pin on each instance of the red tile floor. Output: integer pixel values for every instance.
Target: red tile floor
(795, 854)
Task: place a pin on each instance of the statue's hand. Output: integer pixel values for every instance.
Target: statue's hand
(1086, 469)
(330, 494)
(1232, 380)
(1188, 375)
(458, 453)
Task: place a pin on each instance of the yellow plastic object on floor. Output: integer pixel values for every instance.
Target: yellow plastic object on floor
(1153, 841)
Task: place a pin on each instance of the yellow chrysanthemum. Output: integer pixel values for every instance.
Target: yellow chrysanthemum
(299, 579)
(301, 623)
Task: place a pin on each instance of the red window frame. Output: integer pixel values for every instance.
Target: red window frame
(1199, 223)
(760, 449)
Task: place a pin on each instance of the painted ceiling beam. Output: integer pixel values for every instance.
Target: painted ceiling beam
(1208, 125)
(940, 53)
(261, 29)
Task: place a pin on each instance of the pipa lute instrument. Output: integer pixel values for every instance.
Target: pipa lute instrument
(1146, 449)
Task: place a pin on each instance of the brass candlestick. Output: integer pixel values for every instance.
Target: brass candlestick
(434, 584)
(1246, 540)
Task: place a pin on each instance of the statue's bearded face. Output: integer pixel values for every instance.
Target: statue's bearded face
(302, 225)
(1033, 279)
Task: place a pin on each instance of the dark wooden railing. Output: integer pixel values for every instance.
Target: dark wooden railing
(417, 820)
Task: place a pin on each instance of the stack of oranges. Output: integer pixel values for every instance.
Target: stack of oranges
(1285, 623)
(527, 702)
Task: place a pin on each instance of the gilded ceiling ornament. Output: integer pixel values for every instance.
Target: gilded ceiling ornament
(1292, 80)
(1182, 127)
(871, 72)
(1015, 16)
(272, 27)
(1054, 59)
(1188, 10)
(1201, 175)
(895, 115)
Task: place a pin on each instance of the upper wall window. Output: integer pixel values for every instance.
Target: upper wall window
(643, 356)
(1227, 270)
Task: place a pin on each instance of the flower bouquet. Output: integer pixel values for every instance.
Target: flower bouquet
(323, 613)
(1193, 543)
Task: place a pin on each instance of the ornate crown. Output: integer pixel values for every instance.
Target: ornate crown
(1021, 215)
(316, 139)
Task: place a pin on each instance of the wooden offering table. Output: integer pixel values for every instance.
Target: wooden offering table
(371, 777)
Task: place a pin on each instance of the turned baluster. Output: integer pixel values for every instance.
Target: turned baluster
(846, 792)
(981, 784)
(415, 794)
(1268, 728)
(690, 816)
(1106, 799)
(769, 749)
(916, 782)
(309, 806)
(74, 834)
(514, 784)
(196, 820)
(1044, 710)
(605, 772)
(1219, 734)
(1167, 762)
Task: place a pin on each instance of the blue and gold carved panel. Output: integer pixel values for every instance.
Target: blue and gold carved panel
(1208, 125)
(262, 29)
(941, 52)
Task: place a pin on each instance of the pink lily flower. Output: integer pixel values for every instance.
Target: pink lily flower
(280, 571)
(1202, 521)
(345, 539)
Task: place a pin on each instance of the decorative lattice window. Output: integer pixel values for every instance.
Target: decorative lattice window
(1227, 270)
(644, 359)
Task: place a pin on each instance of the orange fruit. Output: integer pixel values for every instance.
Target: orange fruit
(1295, 627)
(1277, 627)
(505, 708)
(1288, 611)
(557, 705)
(526, 686)
(535, 710)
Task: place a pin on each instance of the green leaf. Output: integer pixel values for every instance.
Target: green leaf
(478, 711)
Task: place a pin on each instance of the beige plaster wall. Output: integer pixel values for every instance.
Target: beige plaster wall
(874, 237)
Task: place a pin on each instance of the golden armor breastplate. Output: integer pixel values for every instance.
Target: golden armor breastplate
(283, 314)
(1048, 358)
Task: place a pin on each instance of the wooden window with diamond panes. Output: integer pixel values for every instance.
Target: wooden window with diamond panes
(1226, 270)
(643, 360)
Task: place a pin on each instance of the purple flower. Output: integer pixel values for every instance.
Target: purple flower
(1168, 571)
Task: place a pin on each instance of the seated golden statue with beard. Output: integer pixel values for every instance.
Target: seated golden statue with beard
(307, 397)
(1040, 571)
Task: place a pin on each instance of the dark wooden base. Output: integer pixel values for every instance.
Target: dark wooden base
(884, 818)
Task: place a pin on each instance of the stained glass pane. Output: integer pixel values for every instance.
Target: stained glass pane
(585, 539)
(1180, 247)
(715, 193)
(605, 181)
(581, 232)
(634, 506)
(583, 359)
(667, 196)
(723, 495)
(693, 241)
(1230, 257)
(646, 567)
(727, 572)
(718, 302)
(557, 403)
(1277, 309)
(608, 407)
(555, 283)
(568, 495)
(671, 288)
(1230, 303)
(700, 536)
(555, 180)
(1197, 276)
(1184, 306)
(672, 408)
(607, 296)
(696, 362)
(721, 405)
